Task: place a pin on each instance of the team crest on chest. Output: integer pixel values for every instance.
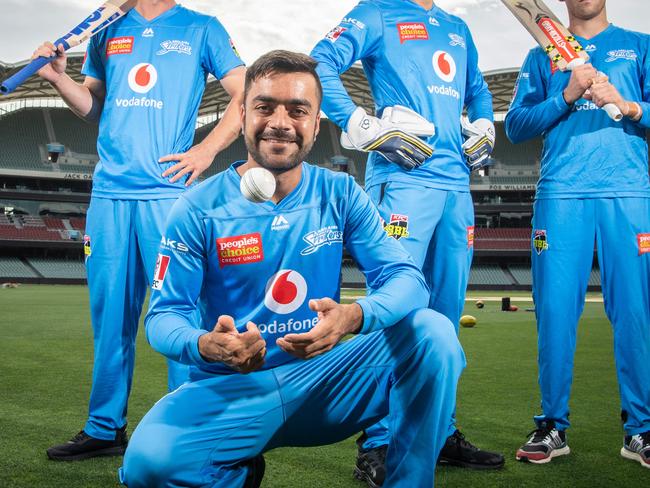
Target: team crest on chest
(325, 236)
(175, 46)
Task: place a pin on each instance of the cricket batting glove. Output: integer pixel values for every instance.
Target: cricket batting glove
(396, 136)
(479, 142)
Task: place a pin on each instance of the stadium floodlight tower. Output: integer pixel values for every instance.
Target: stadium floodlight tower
(54, 150)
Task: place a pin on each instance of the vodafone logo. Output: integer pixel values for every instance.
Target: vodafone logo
(142, 77)
(444, 66)
(285, 291)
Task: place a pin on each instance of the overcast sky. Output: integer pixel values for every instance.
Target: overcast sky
(258, 26)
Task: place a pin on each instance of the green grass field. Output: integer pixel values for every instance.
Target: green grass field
(45, 371)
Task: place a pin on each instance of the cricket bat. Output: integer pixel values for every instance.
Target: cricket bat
(101, 18)
(560, 45)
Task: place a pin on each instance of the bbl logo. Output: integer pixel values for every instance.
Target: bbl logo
(540, 243)
(398, 226)
(87, 248)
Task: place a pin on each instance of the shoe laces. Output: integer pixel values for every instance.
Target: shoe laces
(540, 434)
(461, 442)
(80, 436)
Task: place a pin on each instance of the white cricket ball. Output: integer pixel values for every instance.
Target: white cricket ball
(257, 185)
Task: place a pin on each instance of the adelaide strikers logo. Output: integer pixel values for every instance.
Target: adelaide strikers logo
(285, 291)
(444, 66)
(142, 77)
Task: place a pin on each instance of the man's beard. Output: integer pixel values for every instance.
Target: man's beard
(293, 160)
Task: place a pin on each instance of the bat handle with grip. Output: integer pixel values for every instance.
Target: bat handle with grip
(611, 109)
(13, 82)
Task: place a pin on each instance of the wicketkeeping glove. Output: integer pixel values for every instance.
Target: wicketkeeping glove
(396, 136)
(479, 143)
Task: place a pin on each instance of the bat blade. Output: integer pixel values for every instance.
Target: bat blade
(98, 20)
(562, 48)
(559, 44)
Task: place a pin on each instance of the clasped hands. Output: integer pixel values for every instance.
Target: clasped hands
(245, 351)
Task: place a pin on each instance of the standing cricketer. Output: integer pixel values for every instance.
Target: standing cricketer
(265, 278)
(422, 67)
(593, 187)
(145, 76)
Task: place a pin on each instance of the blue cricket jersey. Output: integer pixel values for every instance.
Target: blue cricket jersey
(586, 154)
(422, 59)
(264, 262)
(155, 73)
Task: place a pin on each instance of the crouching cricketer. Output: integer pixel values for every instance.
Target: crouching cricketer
(271, 371)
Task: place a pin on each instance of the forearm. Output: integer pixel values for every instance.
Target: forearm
(527, 121)
(78, 98)
(173, 336)
(393, 301)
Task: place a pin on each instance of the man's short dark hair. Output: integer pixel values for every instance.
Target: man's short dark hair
(281, 62)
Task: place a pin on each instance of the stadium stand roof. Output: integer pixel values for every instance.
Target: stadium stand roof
(215, 99)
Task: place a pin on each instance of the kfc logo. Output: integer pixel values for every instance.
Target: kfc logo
(162, 265)
(335, 33)
(285, 291)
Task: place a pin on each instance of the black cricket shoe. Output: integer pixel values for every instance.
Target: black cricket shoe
(256, 468)
(637, 448)
(457, 451)
(371, 464)
(83, 446)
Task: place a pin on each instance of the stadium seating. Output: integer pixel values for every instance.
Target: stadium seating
(351, 276)
(58, 268)
(78, 223)
(20, 134)
(509, 154)
(14, 268)
(522, 273)
(75, 134)
(488, 274)
(496, 239)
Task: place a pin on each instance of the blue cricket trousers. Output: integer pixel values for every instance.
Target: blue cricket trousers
(121, 245)
(199, 435)
(564, 231)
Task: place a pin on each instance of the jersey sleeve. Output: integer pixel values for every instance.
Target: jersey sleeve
(357, 36)
(532, 112)
(93, 63)
(478, 98)
(395, 284)
(645, 87)
(170, 324)
(218, 55)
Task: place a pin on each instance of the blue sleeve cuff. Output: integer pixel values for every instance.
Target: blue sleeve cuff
(560, 104)
(193, 348)
(368, 316)
(645, 118)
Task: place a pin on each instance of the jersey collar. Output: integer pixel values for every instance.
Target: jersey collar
(166, 14)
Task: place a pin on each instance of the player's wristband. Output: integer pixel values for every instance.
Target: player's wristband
(634, 111)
